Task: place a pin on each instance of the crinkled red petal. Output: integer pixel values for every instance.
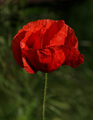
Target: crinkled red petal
(70, 39)
(27, 66)
(51, 58)
(17, 53)
(73, 57)
(45, 60)
(43, 33)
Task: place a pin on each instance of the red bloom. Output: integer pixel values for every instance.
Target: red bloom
(45, 45)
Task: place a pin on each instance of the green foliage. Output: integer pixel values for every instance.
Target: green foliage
(69, 92)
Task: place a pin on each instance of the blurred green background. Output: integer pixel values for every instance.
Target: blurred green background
(70, 90)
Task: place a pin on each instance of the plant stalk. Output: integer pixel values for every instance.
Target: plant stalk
(44, 97)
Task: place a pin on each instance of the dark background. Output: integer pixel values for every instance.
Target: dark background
(70, 90)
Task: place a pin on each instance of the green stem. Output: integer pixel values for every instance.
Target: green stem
(44, 98)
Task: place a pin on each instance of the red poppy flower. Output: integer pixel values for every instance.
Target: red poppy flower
(45, 45)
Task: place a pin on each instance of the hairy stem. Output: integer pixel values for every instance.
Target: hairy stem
(44, 98)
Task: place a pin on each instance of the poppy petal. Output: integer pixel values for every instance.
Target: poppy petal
(45, 60)
(35, 32)
(16, 47)
(44, 33)
(73, 57)
(55, 35)
(27, 67)
(71, 39)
